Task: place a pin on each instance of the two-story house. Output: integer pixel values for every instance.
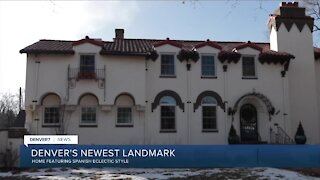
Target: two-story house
(165, 91)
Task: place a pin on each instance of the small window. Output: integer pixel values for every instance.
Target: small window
(124, 115)
(87, 63)
(51, 115)
(248, 67)
(209, 113)
(167, 65)
(208, 66)
(88, 115)
(168, 113)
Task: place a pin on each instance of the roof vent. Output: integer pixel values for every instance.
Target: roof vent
(119, 33)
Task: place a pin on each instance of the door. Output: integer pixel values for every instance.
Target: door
(248, 124)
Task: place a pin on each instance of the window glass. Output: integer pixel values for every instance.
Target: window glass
(87, 63)
(167, 65)
(248, 66)
(208, 100)
(168, 117)
(209, 113)
(168, 113)
(88, 115)
(124, 115)
(167, 100)
(207, 66)
(209, 120)
(51, 115)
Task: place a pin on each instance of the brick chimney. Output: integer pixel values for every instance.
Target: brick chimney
(290, 13)
(119, 33)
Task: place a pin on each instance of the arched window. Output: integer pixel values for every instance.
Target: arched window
(209, 113)
(51, 103)
(168, 113)
(124, 104)
(88, 105)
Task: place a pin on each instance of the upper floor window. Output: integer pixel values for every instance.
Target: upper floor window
(167, 65)
(209, 113)
(248, 67)
(89, 104)
(124, 104)
(87, 63)
(168, 113)
(208, 66)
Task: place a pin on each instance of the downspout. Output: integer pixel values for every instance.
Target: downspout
(225, 94)
(105, 83)
(35, 98)
(284, 100)
(146, 102)
(68, 80)
(188, 101)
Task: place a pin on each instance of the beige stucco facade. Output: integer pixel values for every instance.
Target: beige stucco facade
(294, 96)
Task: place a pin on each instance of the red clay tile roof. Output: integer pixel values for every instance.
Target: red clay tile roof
(88, 40)
(208, 43)
(49, 46)
(119, 46)
(316, 53)
(141, 47)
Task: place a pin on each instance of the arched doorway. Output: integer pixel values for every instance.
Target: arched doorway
(248, 124)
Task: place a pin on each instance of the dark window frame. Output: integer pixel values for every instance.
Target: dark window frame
(131, 115)
(249, 73)
(85, 113)
(209, 115)
(87, 63)
(204, 66)
(167, 121)
(163, 72)
(53, 120)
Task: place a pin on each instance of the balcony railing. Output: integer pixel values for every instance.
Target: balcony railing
(77, 73)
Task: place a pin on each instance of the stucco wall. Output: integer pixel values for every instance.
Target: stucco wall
(302, 82)
(133, 75)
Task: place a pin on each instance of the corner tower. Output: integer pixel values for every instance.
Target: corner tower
(291, 32)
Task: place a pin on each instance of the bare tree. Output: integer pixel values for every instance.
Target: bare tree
(313, 10)
(9, 108)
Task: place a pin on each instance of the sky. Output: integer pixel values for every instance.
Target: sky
(25, 22)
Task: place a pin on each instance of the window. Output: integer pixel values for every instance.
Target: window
(124, 115)
(248, 67)
(89, 104)
(51, 110)
(167, 65)
(208, 66)
(51, 115)
(168, 113)
(87, 63)
(124, 103)
(209, 113)
(88, 115)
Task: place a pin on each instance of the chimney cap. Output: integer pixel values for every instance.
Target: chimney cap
(290, 4)
(119, 33)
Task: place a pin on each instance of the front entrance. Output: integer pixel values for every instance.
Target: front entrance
(248, 124)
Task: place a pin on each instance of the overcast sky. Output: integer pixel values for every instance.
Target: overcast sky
(25, 22)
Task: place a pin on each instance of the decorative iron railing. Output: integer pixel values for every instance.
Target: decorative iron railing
(77, 73)
(280, 137)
